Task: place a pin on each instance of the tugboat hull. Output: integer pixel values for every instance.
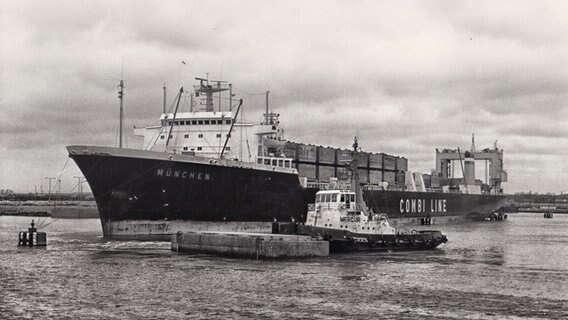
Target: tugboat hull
(346, 241)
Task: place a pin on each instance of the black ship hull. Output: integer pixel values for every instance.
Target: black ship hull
(150, 195)
(414, 208)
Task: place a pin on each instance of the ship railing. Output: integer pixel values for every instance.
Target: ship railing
(318, 185)
(336, 185)
(373, 187)
(275, 161)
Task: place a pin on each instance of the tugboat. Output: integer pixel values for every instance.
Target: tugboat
(339, 218)
(342, 217)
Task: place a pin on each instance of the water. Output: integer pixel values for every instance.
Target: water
(517, 269)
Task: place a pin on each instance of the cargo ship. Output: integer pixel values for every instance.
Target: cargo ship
(207, 169)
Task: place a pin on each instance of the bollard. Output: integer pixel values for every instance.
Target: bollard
(23, 239)
(31, 239)
(275, 227)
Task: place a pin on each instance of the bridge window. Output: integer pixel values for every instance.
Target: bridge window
(206, 121)
(334, 197)
(218, 135)
(162, 137)
(199, 148)
(193, 122)
(228, 121)
(199, 121)
(327, 197)
(200, 135)
(228, 149)
(342, 197)
(186, 135)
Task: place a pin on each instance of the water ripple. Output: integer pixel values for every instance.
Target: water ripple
(486, 271)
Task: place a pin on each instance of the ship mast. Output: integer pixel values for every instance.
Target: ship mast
(164, 107)
(209, 90)
(121, 126)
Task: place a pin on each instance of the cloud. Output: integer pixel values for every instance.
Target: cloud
(408, 77)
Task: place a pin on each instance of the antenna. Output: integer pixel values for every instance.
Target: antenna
(267, 92)
(230, 97)
(164, 98)
(120, 96)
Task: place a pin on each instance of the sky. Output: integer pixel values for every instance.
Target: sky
(407, 77)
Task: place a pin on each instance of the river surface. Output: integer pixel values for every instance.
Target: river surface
(516, 269)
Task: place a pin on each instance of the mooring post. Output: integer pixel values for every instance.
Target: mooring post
(23, 239)
(31, 231)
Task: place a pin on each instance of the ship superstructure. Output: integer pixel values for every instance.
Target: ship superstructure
(212, 130)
